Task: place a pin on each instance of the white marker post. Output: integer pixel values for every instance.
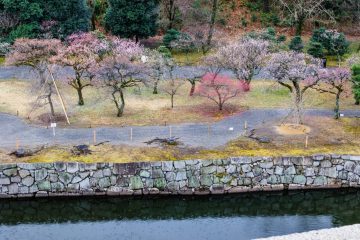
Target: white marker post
(53, 126)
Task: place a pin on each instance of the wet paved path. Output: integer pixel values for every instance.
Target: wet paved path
(195, 135)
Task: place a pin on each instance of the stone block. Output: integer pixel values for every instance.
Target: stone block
(60, 166)
(167, 166)
(40, 174)
(181, 175)
(11, 172)
(72, 167)
(135, 183)
(4, 181)
(179, 164)
(44, 186)
(299, 179)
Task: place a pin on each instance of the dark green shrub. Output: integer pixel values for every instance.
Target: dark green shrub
(356, 83)
(132, 19)
(244, 23)
(171, 35)
(24, 31)
(296, 44)
(281, 39)
(254, 17)
(316, 49)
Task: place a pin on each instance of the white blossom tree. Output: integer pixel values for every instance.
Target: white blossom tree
(290, 70)
(244, 58)
(335, 81)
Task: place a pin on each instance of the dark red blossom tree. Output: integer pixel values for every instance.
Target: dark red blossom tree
(219, 88)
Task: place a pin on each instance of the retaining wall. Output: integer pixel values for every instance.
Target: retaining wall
(199, 177)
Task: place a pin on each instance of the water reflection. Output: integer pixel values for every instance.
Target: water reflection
(217, 217)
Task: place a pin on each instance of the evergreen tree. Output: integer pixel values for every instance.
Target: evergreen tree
(36, 17)
(171, 35)
(316, 49)
(296, 44)
(132, 18)
(356, 83)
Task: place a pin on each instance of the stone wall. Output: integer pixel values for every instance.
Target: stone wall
(232, 175)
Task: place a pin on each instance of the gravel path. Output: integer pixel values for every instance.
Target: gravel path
(217, 134)
(342, 233)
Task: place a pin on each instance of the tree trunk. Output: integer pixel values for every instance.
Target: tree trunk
(298, 102)
(172, 101)
(299, 26)
(120, 107)
(51, 105)
(337, 105)
(80, 96)
(357, 102)
(214, 10)
(155, 89)
(220, 106)
(266, 6)
(192, 90)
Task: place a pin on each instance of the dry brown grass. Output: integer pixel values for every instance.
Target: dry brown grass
(144, 108)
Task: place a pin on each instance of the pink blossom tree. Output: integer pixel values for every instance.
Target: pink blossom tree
(219, 88)
(36, 53)
(334, 81)
(120, 69)
(81, 53)
(290, 70)
(244, 58)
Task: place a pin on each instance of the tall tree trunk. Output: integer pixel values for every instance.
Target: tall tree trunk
(155, 88)
(298, 103)
(120, 107)
(51, 105)
(172, 100)
(79, 91)
(266, 6)
(206, 47)
(192, 89)
(337, 105)
(299, 26)
(80, 96)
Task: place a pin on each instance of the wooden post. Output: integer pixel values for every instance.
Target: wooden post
(60, 97)
(306, 141)
(94, 137)
(245, 125)
(131, 134)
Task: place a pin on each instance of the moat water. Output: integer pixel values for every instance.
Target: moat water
(178, 218)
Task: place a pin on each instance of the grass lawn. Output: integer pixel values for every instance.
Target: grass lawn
(145, 108)
(191, 58)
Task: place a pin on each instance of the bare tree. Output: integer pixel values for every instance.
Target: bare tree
(172, 84)
(120, 70)
(302, 10)
(37, 54)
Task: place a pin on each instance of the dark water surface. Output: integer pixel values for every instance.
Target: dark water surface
(178, 218)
